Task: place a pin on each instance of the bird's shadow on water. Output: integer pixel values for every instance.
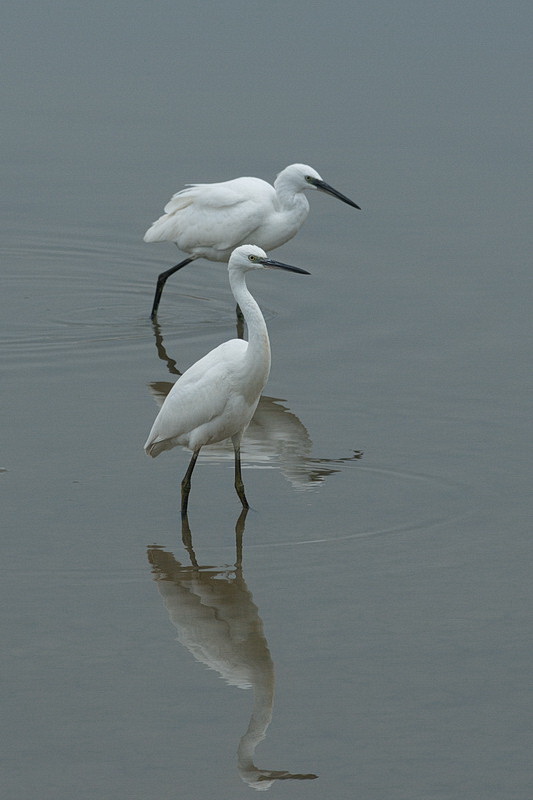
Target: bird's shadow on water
(216, 619)
(274, 437)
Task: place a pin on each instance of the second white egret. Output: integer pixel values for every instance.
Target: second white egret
(209, 220)
(215, 399)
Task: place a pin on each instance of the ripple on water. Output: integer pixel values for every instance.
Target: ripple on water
(388, 502)
(77, 293)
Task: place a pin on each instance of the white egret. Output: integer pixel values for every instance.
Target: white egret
(215, 399)
(209, 220)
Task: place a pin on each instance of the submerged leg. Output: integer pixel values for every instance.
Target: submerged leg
(239, 485)
(162, 279)
(186, 484)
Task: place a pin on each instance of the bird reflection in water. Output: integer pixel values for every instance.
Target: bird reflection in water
(216, 619)
(275, 436)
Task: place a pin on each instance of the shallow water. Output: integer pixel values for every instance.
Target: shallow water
(366, 622)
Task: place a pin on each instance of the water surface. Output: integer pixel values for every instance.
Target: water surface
(366, 622)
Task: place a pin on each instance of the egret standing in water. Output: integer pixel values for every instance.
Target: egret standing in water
(215, 399)
(209, 220)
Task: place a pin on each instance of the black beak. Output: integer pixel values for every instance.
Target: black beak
(325, 187)
(268, 262)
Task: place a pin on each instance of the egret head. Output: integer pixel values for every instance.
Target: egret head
(249, 256)
(302, 176)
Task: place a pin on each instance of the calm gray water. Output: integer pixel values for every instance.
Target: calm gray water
(368, 622)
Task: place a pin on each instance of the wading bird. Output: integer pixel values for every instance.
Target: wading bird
(215, 399)
(209, 220)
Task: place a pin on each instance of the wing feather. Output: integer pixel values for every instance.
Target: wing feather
(214, 215)
(199, 397)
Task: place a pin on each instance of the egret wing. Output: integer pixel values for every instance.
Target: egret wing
(214, 215)
(197, 399)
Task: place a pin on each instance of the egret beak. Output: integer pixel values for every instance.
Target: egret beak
(270, 264)
(325, 187)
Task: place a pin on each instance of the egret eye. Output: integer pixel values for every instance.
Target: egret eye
(252, 258)
(309, 178)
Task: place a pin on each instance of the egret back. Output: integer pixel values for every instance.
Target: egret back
(210, 220)
(213, 218)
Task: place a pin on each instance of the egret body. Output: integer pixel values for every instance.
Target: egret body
(215, 399)
(209, 220)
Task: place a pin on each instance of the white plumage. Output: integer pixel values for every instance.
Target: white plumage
(194, 415)
(215, 399)
(209, 220)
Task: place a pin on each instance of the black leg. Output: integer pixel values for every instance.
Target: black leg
(239, 485)
(186, 538)
(162, 279)
(239, 531)
(186, 484)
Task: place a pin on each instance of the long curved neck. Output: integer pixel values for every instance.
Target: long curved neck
(290, 198)
(258, 352)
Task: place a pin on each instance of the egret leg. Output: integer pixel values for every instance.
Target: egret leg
(186, 484)
(162, 279)
(239, 531)
(239, 485)
(186, 538)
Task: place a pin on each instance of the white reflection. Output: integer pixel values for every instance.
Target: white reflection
(216, 619)
(274, 439)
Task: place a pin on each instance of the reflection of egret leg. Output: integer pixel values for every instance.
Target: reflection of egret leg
(162, 279)
(240, 323)
(161, 350)
(186, 484)
(239, 485)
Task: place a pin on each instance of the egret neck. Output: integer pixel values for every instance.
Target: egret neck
(257, 359)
